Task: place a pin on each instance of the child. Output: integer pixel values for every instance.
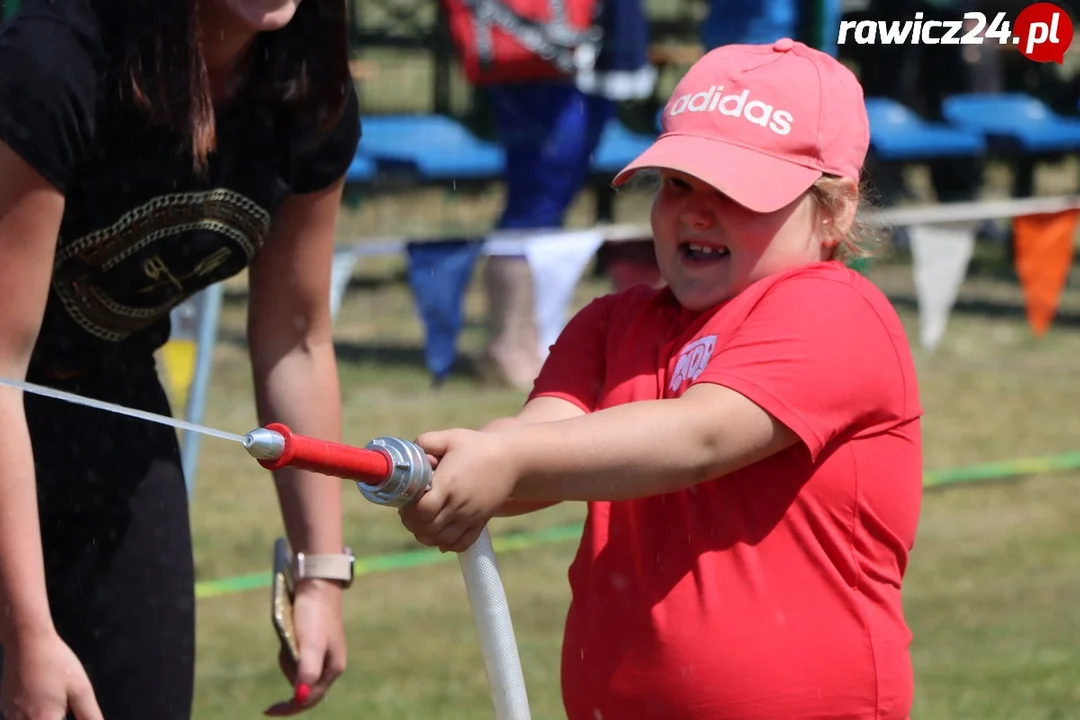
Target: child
(747, 438)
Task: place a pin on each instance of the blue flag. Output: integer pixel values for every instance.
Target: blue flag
(439, 273)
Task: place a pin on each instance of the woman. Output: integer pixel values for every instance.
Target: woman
(747, 438)
(151, 148)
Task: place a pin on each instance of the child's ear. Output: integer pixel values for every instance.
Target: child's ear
(837, 214)
(827, 231)
(847, 208)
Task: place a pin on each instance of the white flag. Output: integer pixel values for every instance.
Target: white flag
(941, 254)
(557, 261)
(340, 274)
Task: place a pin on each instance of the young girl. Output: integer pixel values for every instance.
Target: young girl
(747, 438)
(149, 149)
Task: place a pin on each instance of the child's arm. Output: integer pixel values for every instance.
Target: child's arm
(643, 448)
(538, 410)
(815, 362)
(566, 389)
(619, 453)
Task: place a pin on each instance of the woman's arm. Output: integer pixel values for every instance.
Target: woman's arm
(30, 214)
(292, 357)
(643, 448)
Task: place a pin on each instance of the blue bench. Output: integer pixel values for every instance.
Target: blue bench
(1013, 123)
(437, 147)
(362, 169)
(618, 146)
(1016, 126)
(898, 134)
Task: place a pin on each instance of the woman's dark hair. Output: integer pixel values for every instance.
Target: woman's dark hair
(304, 67)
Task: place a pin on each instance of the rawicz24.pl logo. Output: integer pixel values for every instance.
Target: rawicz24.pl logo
(1041, 32)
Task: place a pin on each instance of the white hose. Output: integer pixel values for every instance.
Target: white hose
(491, 613)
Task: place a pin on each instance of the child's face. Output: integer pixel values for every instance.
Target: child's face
(710, 248)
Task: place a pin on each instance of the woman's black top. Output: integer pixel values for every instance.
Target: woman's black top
(141, 229)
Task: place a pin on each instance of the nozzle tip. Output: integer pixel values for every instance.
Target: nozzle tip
(264, 444)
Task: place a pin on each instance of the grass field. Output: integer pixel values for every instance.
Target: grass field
(991, 595)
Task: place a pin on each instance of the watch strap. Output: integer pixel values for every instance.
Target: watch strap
(324, 567)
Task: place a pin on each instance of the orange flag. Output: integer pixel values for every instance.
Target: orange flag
(1044, 251)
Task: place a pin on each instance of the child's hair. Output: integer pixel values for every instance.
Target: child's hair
(863, 240)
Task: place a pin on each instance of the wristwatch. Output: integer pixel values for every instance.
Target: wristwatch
(325, 567)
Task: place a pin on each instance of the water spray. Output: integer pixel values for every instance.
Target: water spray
(387, 471)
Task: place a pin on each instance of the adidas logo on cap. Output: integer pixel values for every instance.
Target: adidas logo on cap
(734, 105)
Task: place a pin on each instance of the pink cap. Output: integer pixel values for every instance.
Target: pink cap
(761, 123)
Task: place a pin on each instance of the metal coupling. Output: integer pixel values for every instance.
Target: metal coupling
(410, 473)
(264, 444)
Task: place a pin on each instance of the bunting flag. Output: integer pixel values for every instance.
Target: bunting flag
(1044, 246)
(439, 274)
(179, 354)
(345, 259)
(557, 261)
(178, 357)
(940, 254)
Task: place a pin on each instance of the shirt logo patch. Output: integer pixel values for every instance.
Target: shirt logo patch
(692, 361)
(123, 278)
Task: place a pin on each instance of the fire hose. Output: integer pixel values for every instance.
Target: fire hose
(393, 472)
(388, 471)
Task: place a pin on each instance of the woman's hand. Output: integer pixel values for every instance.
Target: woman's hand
(320, 636)
(474, 476)
(43, 680)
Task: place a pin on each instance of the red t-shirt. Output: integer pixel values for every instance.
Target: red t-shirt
(772, 593)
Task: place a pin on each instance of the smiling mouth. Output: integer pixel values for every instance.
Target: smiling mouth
(703, 253)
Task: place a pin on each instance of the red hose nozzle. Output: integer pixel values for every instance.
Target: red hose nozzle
(389, 471)
(276, 446)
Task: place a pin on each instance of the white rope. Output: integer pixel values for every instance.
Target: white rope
(970, 211)
(898, 217)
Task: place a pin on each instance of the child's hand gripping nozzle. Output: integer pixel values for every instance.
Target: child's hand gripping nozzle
(391, 471)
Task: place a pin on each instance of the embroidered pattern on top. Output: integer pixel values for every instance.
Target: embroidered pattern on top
(126, 249)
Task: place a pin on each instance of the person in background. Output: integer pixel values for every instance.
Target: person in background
(549, 130)
(747, 438)
(149, 149)
(764, 21)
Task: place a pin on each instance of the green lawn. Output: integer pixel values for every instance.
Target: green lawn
(991, 595)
